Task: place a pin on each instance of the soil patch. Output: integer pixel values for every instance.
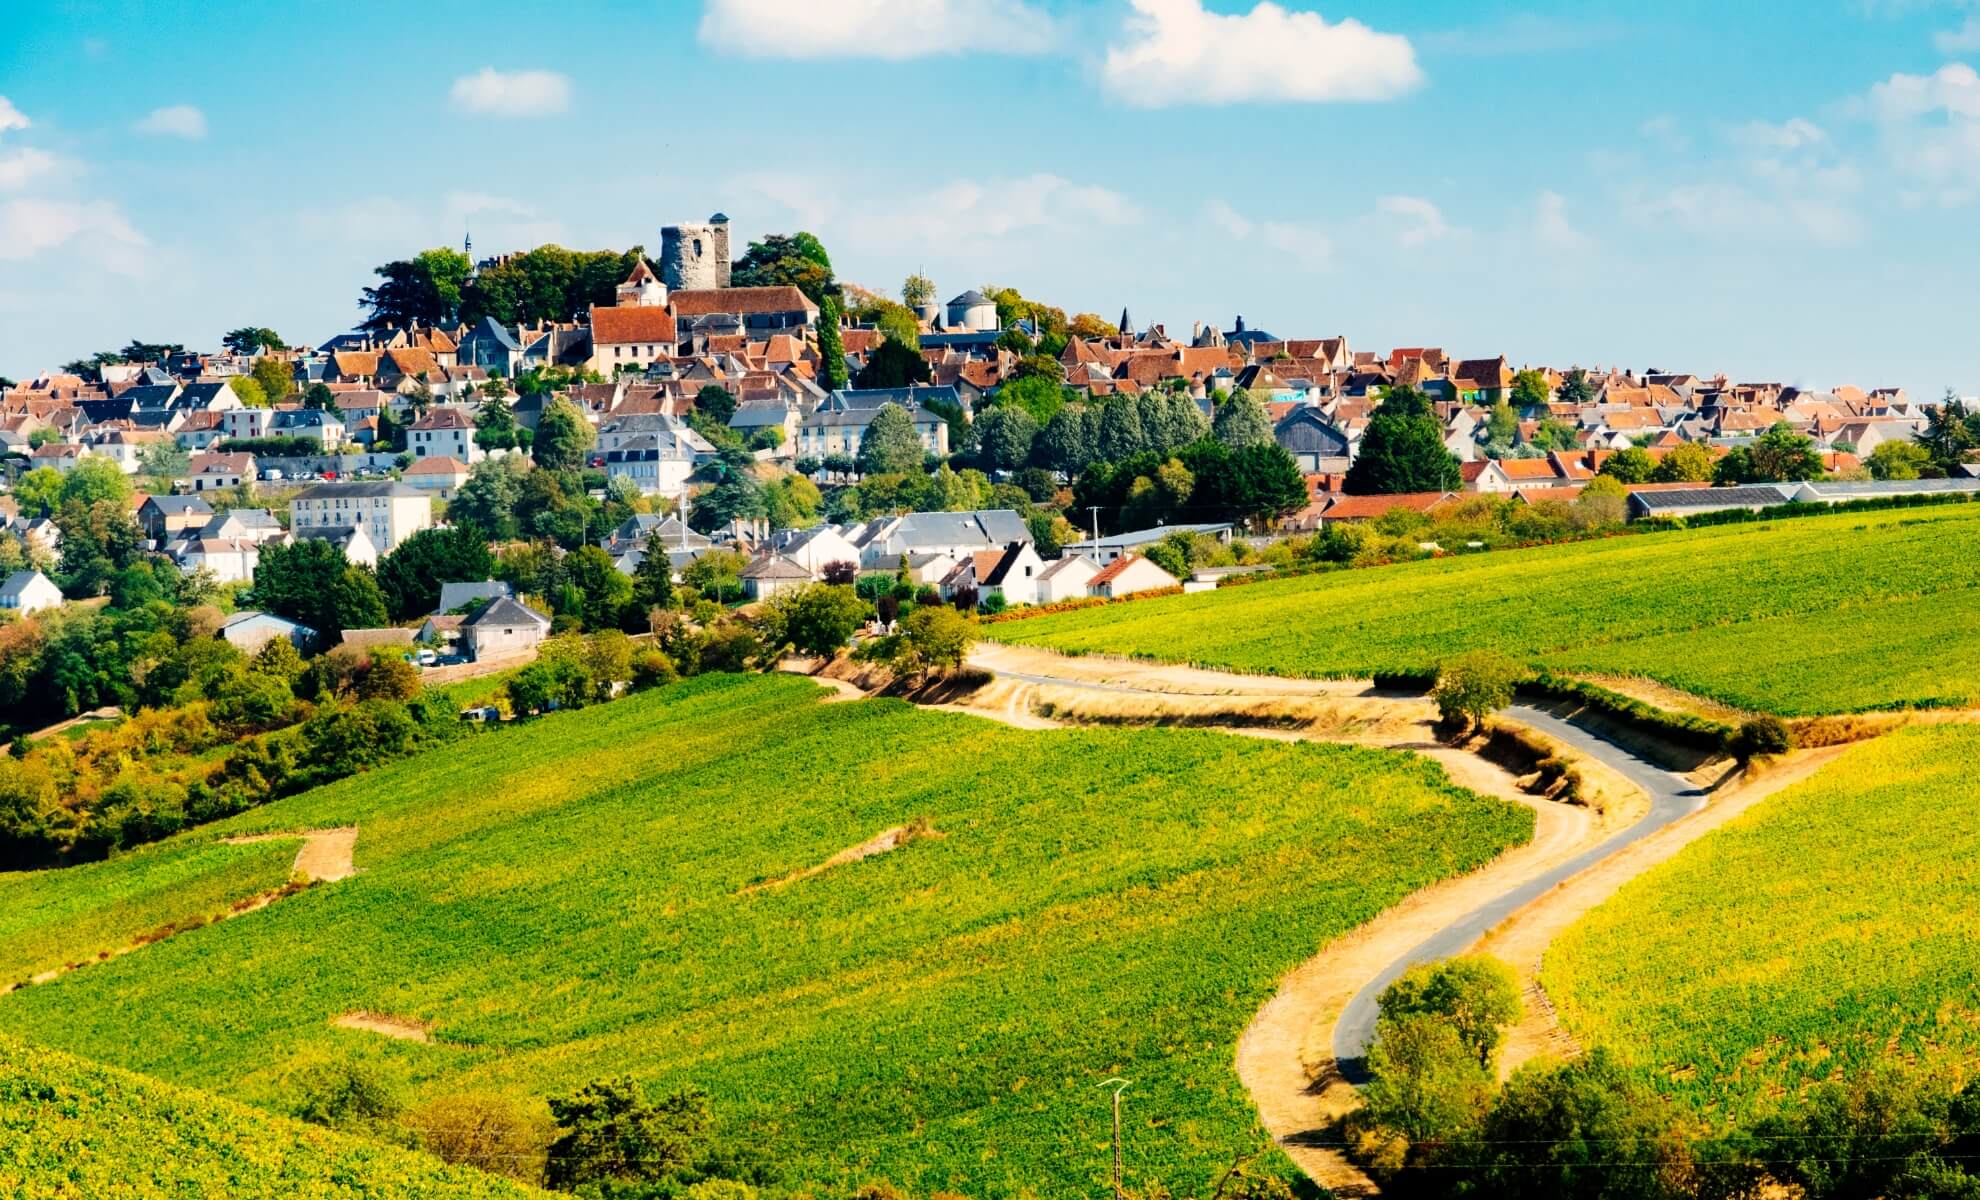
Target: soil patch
(405, 1029)
(326, 854)
(880, 843)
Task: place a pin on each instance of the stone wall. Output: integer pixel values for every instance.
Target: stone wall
(695, 257)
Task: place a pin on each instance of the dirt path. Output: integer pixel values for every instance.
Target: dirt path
(326, 855)
(1522, 940)
(404, 1029)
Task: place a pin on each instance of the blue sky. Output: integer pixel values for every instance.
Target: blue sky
(1784, 191)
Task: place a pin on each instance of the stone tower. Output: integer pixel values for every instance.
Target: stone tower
(695, 257)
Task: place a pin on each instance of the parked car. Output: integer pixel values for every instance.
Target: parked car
(426, 658)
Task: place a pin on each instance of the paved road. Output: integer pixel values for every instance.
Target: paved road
(1672, 796)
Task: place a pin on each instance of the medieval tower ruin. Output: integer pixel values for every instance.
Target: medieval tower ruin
(694, 257)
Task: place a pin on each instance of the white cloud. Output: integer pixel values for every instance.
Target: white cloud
(1929, 127)
(30, 226)
(1417, 221)
(1963, 40)
(1553, 229)
(1177, 53)
(512, 93)
(1664, 131)
(1304, 244)
(1792, 134)
(10, 117)
(174, 120)
(888, 29)
(972, 211)
(24, 166)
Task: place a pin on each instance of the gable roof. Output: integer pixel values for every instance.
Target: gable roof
(506, 611)
(701, 302)
(620, 326)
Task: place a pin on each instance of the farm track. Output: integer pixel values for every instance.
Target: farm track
(326, 856)
(1300, 1056)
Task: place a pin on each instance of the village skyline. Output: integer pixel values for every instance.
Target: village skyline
(1494, 178)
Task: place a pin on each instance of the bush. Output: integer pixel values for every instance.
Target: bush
(496, 1134)
(1473, 686)
(345, 1096)
(1758, 737)
(610, 1133)
(1683, 729)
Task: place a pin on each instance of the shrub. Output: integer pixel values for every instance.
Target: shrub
(497, 1134)
(1473, 686)
(610, 1133)
(1477, 996)
(344, 1096)
(1757, 737)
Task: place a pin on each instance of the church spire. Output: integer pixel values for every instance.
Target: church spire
(1127, 324)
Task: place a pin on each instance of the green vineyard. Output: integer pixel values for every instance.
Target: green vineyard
(1829, 930)
(71, 1129)
(1815, 615)
(622, 890)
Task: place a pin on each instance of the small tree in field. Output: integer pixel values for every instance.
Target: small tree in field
(1471, 687)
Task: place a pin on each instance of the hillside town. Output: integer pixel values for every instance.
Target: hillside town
(988, 448)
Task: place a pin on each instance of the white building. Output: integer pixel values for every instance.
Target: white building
(29, 592)
(444, 432)
(387, 512)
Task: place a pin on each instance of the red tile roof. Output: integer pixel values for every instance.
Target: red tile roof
(621, 326)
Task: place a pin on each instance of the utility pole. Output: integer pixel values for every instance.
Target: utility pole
(1095, 510)
(1119, 1085)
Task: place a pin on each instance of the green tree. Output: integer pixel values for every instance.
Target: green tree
(1576, 389)
(1502, 424)
(1899, 460)
(1950, 432)
(310, 581)
(1530, 390)
(1037, 395)
(1259, 484)
(890, 443)
(653, 579)
(832, 371)
(1473, 686)
(798, 260)
(893, 364)
(275, 377)
(1477, 996)
(1630, 465)
(410, 575)
(487, 501)
(494, 425)
(1687, 463)
(563, 436)
(1242, 421)
(1782, 455)
(1003, 437)
(1070, 440)
(425, 289)
(1121, 436)
(95, 478)
(935, 636)
(917, 291)
(716, 574)
(604, 592)
(609, 1133)
(38, 492)
(319, 396)
(716, 403)
(817, 619)
(251, 339)
(1402, 450)
(1586, 1130)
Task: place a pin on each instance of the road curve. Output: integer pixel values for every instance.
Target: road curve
(1672, 798)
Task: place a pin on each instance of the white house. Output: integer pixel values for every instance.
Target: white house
(29, 592)
(769, 574)
(1128, 575)
(653, 468)
(250, 631)
(444, 432)
(388, 512)
(821, 544)
(628, 338)
(1066, 579)
(247, 424)
(442, 476)
(231, 560)
(309, 424)
(504, 626)
(1107, 549)
(215, 470)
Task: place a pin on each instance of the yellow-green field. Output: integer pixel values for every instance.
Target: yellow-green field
(1813, 615)
(1834, 927)
(75, 1130)
(566, 901)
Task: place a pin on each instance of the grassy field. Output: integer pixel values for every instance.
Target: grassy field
(566, 900)
(74, 1130)
(1806, 616)
(1830, 929)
